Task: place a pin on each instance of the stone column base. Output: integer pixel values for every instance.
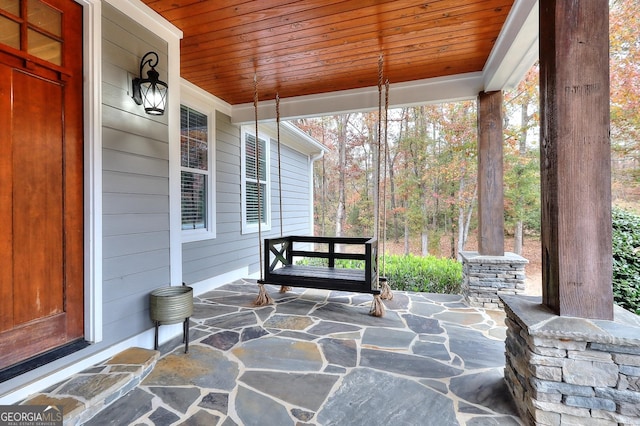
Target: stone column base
(567, 370)
(485, 277)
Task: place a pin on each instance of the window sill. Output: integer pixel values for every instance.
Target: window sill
(253, 229)
(197, 235)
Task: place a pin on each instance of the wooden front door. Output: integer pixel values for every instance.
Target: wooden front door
(41, 177)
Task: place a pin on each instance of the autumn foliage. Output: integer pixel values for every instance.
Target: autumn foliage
(428, 192)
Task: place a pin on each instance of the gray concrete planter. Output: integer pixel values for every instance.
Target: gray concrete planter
(171, 305)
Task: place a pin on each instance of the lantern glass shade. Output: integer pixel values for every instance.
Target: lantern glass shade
(154, 96)
(150, 92)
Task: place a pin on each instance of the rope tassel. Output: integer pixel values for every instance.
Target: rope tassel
(263, 298)
(377, 308)
(284, 289)
(385, 292)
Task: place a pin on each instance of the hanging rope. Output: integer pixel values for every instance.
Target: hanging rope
(255, 111)
(377, 308)
(279, 160)
(386, 292)
(284, 288)
(263, 298)
(384, 176)
(324, 184)
(376, 218)
(257, 157)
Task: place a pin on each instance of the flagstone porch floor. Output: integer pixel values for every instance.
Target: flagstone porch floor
(317, 358)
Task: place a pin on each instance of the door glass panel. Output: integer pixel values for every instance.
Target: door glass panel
(45, 17)
(11, 6)
(9, 33)
(45, 47)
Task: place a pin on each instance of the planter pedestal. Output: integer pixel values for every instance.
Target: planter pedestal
(171, 305)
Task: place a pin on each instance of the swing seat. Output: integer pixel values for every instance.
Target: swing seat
(280, 269)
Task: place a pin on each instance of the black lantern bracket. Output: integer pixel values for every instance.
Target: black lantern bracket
(151, 92)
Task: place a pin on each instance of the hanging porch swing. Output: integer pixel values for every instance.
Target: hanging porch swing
(277, 255)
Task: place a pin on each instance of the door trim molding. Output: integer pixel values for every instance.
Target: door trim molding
(92, 52)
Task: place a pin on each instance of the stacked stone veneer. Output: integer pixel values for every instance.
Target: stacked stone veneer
(484, 278)
(574, 371)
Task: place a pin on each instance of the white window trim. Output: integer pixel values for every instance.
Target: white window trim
(198, 102)
(266, 221)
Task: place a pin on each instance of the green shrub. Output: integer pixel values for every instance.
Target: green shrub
(410, 273)
(340, 263)
(626, 259)
(428, 274)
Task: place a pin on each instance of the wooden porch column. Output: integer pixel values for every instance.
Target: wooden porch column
(490, 175)
(575, 158)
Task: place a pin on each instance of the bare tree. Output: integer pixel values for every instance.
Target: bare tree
(342, 121)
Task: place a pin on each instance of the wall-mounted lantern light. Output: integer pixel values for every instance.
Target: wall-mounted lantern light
(150, 92)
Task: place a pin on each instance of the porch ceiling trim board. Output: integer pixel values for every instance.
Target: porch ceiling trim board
(516, 50)
(294, 138)
(433, 90)
(193, 90)
(142, 13)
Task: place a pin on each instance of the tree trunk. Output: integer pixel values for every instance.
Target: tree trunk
(406, 235)
(342, 149)
(461, 229)
(463, 233)
(375, 172)
(469, 213)
(524, 119)
(425, 243)
(324, 195)
(460, 216)
(392, 194)
(518, 238)
(452, 236)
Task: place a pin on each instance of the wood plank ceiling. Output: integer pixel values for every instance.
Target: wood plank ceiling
(304, 47)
